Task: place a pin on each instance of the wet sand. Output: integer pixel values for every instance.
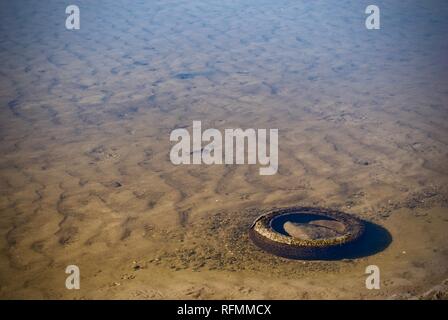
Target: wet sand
(85, 119)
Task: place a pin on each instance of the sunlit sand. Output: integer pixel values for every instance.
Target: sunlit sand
(85, 121)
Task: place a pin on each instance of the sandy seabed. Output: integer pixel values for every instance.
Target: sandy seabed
(85, 119)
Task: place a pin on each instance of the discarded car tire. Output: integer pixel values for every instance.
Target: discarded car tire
(263, 233)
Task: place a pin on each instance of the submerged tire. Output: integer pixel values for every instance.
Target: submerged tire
(263, 233)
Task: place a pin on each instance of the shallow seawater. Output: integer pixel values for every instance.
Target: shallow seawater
(85, 123)
(278, 224)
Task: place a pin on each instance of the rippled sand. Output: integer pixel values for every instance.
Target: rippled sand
(85, 118)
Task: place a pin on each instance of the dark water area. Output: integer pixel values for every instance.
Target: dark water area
(278, 222)
(374, 240)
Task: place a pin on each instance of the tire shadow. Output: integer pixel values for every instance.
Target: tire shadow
(374, 240)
